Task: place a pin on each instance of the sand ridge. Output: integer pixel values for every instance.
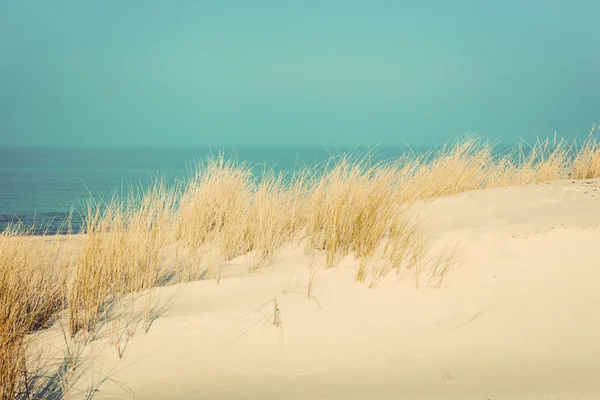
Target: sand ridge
(516, 318)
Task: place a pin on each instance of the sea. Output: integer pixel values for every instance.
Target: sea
(41, 187)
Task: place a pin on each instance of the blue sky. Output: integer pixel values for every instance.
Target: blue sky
(239, 73)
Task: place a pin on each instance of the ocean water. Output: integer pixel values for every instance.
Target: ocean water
(41, 186)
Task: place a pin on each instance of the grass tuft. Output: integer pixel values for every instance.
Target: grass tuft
(32, 289)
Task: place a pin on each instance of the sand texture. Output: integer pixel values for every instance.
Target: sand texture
(516, 317)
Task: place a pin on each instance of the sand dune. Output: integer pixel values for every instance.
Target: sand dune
(516, 318)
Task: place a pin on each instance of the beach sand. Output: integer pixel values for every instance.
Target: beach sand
(515, 318)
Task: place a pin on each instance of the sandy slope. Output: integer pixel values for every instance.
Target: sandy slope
(519, 318)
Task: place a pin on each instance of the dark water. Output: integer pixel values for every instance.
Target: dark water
(42, 186)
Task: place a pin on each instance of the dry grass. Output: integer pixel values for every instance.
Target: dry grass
(352, 209)
(586, 164)
(122, 254)
(32, 287)
(473, 164)
(349, 206)
(354, 205)
(275, 215)
(214, 206)
(225, 208)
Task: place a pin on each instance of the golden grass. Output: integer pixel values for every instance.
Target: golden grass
(223, 206)
(348, 206)
(213, 206)
(587, 160)
(472, 164)
(122, 254)
(32, 288)
(275, 215)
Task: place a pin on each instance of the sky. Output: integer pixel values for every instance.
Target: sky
(295, 73)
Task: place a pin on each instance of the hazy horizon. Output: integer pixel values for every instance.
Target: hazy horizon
(265, 73)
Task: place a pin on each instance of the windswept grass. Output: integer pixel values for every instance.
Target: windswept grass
(473, 164)
(351, 206)
(122, 254)
(32, 289)
(225, 207)
(586, 164)
(275, 215)
(214, 205)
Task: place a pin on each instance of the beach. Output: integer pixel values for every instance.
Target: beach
(514, 317)
(293, 200)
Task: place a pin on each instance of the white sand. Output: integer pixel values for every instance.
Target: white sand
(518, 319)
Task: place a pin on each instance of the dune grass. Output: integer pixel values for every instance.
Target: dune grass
(122, 254)
(586, 164)
(351, 205)
(33, 279)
